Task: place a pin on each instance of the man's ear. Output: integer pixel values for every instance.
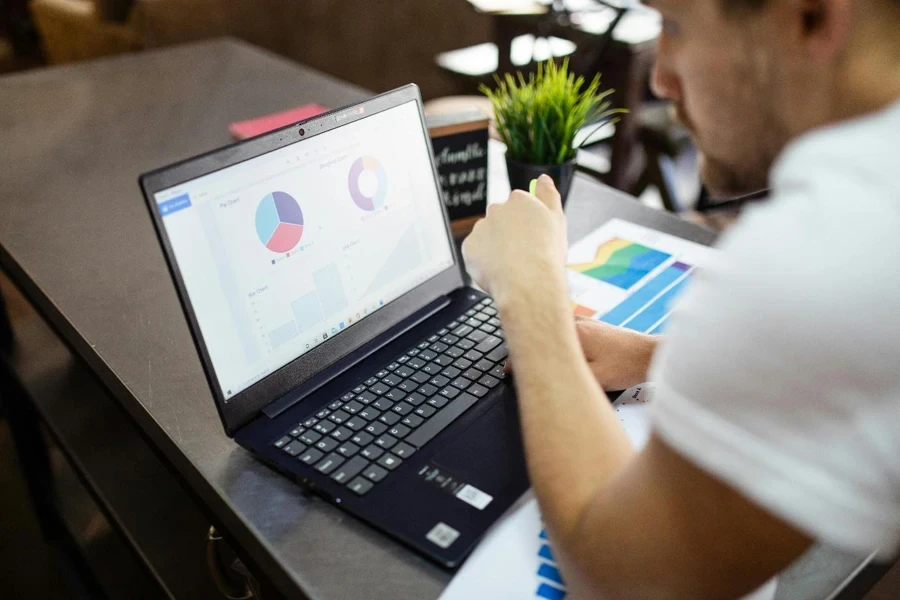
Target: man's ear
(825, 27)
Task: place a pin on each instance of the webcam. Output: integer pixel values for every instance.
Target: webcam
(302, 131)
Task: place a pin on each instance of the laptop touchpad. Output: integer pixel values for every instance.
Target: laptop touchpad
(489, 453)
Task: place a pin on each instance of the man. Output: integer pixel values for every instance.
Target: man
(777, 409)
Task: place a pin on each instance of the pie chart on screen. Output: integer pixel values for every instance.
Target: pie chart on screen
(279, 222)
(367, 183)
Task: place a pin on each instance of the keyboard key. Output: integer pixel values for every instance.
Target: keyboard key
(488, 381)
(371, 452)
(323, 413)
(477, 336)
(349, 395)
(416, 363)
(439, 381)
(482, 316)
(393, 366)
(454, 352)
(438, 401)
(438, 347)
(353, 407)
(381, 373)
(428, 390)
(462, 362)
(310, 422)
(426, 411)
(399, 431)
(359, 389)
(366, 398)
(389, 418)
(420, 377)
(342, 433)
(327, 444)
(494, 321)
(370, 413)
(451, 372)
(450, 392)
(489, 343)
(453, 324)
(423, 345)
(376, 428)
(444, 360)
(443, 331)
(498, 372)
(324, 427)
(297, 431)
(428, 355)
(465, 345)
(413, 352)
(338, 417)
(329, 463)
(386, 441)
(473, 374)
(375, 473)
(389, 461)
(490, 311)
(310, 437)
(436, 424)
(478, 390)
(294, 448)
(360, 486)
(379, 388)
(310, 456)
(391, 380)
(462, 331)
(471, 312)
(403, 450)
(484, 365)
(433, 338)
(362, 438)
(415, 399)
(402, 408)
(382, 404)
(474, 355)
(412, 421)
(432, 368)
(498, 354)
(282, 441)
(449, 339)
(404, 371)
(349, 469)
(348, 449)
(396, 394)
(461, 383)
(355, 423)
(369, 381)
(408, 386)
(403, 359)
(488, 328)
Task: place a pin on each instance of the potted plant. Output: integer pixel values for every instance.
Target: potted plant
(538, 118)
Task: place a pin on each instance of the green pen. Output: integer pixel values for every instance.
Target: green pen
(532, 187)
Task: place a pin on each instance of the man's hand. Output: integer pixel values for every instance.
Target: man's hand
(619, 358)
(520, 247)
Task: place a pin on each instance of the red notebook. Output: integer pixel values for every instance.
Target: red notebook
(253, 127)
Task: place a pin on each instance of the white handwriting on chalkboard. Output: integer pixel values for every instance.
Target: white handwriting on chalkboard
(473, 151)
(467, 197)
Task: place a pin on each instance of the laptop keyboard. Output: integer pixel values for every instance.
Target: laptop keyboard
(370, 430)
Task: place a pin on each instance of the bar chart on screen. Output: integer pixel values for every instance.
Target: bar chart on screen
(631, 276)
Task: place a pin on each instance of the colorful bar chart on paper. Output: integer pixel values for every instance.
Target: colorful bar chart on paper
(648, 307)
(621, 263)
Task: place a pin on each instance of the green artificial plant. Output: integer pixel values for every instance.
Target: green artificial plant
(538, 117)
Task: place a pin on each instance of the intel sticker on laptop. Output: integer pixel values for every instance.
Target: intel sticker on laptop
(443, 535)
(469, 494)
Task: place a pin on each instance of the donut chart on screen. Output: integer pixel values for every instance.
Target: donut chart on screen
(365, 198)
(279, 222)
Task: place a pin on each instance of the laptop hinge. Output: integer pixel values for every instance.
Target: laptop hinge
(309, 386)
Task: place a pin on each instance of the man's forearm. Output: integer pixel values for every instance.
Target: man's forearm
(573, 440)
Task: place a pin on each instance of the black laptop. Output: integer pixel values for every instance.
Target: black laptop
(322, 287)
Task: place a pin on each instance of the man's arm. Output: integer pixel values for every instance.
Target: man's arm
(645, 526)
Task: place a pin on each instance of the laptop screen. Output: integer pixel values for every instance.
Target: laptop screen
(282, 252)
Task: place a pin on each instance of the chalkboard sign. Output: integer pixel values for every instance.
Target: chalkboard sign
(460, 143)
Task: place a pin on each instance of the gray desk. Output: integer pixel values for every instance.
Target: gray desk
(77, 241)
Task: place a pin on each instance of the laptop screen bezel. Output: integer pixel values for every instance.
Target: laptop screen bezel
(244, 406)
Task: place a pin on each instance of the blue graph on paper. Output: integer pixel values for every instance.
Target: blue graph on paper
(550, 582)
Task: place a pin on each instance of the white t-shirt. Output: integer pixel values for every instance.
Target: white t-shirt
(781, 371)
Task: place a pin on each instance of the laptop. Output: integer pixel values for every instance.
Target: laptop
(329, 307)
